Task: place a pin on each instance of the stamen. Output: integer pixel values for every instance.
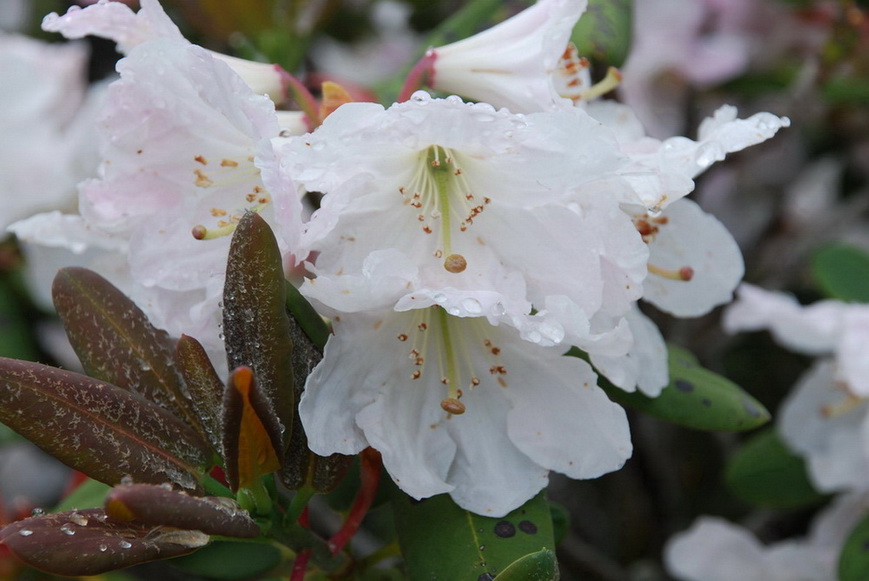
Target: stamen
(684, 274)
(843, 407)
(608, 83)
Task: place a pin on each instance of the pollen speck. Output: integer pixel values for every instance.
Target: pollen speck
(455, 263)
(202, 180)
(201, 160)
(228, 163)
(453, 406)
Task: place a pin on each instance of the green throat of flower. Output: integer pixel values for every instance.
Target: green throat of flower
(444, 203)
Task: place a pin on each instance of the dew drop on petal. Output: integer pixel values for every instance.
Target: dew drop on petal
(439, 298)
(472, 306)
(420, 97)
(534, 337)
(499, 309)
(454, 311)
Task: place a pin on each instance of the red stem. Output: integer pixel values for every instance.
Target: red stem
(300, 565)
(370, 479)
(420, 75)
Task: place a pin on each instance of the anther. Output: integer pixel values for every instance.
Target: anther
(684, 274)
(455, 263)
(453, 406)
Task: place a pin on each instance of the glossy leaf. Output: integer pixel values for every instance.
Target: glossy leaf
(86, 542)
(255, 320)
(439, 540)
(842, 272)
(307, 318)
(230, 560)
(539, 566)
(603, 33)
(251, 432)
(204, 386)
(116, 343)
(695, 398)
(766, 473)
(854, 558)
(157, 505)
(103, 430)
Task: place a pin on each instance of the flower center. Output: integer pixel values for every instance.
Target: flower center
(238, 173)
(648, 227)
(573, 80)
(460, 347)
(444, 203)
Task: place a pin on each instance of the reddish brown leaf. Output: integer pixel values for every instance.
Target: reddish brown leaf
(158, 505)
(116, 343)
(203, 384)
(98, 428)
(254, 317)
(87, 542)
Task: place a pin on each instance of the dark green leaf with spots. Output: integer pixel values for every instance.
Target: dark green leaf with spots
(766, 473)
(254, 316)
(603, 33)
(441, 541)
(842, 272)
(695, 398)
(854, 558)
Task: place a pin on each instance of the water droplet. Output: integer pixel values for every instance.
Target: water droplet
(127, 479)
(37, 512)
(499, 309)
(454, 100)
(709, 153)
(79, 519)
(25, 532)
(654, 211)
(103, 548)
(420, 97)
(534, 337)
(439, 298)
(454, 311)
(472, 306)
(124, 545)
(67, 529)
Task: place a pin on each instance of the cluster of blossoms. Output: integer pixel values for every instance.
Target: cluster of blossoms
(459, 247)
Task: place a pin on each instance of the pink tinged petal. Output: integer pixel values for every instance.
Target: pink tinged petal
(813, 330)
(115, 21)
(686, 237)
(644, 367)
(823, 423)
(560, 418)
(511, 64)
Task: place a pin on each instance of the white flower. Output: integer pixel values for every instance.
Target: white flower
(46, 145)
(453, 403)
(823, 328)
(117, 21)
(513, 64)
(479, 199)
(829, 427)
(716, 550)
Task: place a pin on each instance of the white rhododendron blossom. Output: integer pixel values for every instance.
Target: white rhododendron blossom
(514, 64)
(482, 201)
(46, 125)
(453, 403)
(118, 22)
(182, 141)
(823, 328)
(715, 550)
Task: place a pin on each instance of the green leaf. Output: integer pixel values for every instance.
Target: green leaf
(307, 318)
(255, 320)
(229, 560)
(439, 540)
(98, 428)
(539, 566)
(842, 272)
(854, 558)
(16, 340)
(117, 343)
(764, 472)
(695, 398)
(603, 33)
(86, 542)
(89, 494)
